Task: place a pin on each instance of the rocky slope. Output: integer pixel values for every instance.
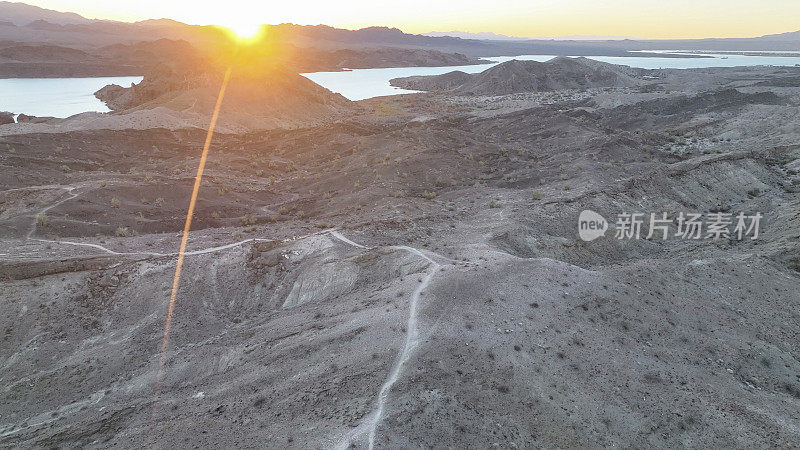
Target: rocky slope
(253, 100)
(412, 277)
(528, 76)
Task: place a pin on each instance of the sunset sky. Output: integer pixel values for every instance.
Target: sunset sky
(530, 18)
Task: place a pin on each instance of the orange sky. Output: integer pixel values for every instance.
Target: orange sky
(531, 18)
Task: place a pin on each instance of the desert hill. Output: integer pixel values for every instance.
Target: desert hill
(528, 76)
(254, 99)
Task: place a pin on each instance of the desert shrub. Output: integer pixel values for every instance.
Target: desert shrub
(537, 195)
(114, 202)
(428, 195)
(494, 204)
(248, 220)
(42, 219)
(123, 232)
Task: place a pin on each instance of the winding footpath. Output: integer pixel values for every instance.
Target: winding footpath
(72, 195)
(369, 423)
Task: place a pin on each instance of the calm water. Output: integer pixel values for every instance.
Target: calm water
(56, 97)
(360, 84)
(63, 97)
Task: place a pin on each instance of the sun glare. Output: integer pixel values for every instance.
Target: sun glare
(245, 30)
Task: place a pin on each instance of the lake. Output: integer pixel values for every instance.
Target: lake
(360, 84)
(63, 97)
(56, 97)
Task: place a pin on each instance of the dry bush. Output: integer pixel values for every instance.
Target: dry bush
(248, 220)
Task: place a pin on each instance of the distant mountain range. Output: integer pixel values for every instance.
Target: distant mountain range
(22, 14)
(502, 37)
(28, 25)
(467, 35)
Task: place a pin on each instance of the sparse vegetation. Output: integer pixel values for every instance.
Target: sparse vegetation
(428, 195)
(114, 202)
(42, 219)
(123, 232)
(248, 220)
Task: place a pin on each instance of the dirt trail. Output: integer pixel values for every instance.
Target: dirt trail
(73, 195)
(369, 424)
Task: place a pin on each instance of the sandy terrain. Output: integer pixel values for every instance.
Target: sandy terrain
(411, 275)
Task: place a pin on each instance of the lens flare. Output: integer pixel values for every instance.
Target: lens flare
(192, 202)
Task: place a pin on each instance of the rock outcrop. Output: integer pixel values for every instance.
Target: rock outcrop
(528, 76)
(6, 117)
(255, 99)
(24, 118)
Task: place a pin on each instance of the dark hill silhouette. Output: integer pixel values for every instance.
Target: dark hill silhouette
(528, 76)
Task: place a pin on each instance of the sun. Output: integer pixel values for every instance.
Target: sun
(245, 30)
